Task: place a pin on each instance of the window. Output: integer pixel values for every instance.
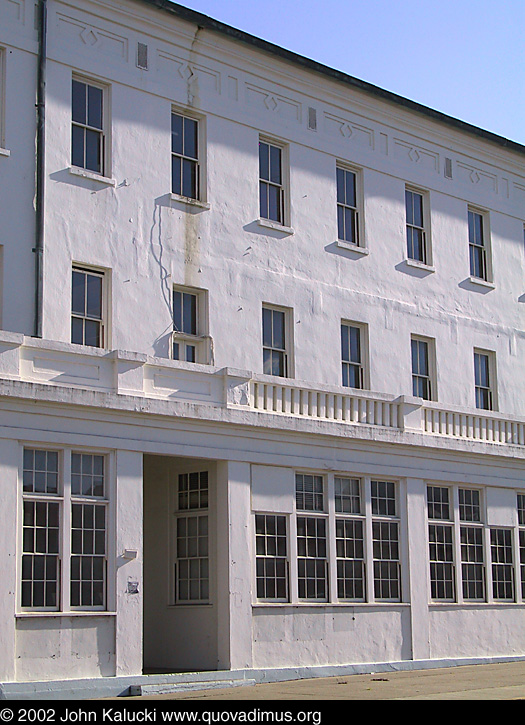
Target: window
(185, 170)
(415, 227)
(478, 245)
(385, 541)
(521, 542)
(344, 546)
(275, 326)
(87, 308)
(441, 544)
(422, 368)
(502, 564)
(347, 212)
(191, 556)
(64, 569)
(484, 374)
(2, 102)
(352, 355)
(271, 558)
(349, 539)
(271, 182)
(88, 127)
(472, 548)
(190, 341)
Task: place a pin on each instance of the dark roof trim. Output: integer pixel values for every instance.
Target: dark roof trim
(203, 21)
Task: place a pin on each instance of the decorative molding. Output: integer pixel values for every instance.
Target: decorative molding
(349, 130)
(13, 10)
(478, 177)
(262, 99)
(89, 37)
(417, 155)
(182, 71)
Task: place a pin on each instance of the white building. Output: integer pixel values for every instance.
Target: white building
(323, 467)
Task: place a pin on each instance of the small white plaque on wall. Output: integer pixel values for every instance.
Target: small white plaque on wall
(273, 489)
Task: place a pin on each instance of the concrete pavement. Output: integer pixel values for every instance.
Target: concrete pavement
(504, 681)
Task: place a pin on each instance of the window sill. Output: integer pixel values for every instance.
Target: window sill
(419, 265)
(269, 224)
(5, 152)
(189, 201)
(352, 247)
(85, 174)
(481, 282)
(74, 613)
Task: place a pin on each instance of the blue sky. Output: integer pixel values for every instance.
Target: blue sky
(465, 58)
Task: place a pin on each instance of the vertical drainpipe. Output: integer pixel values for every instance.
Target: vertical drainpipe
(40, 165)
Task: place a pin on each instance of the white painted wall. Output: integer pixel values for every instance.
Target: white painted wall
(129, 226)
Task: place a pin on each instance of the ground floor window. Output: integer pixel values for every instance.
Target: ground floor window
(469, 560)
(64, 530)
(341, 543)
(190, 539)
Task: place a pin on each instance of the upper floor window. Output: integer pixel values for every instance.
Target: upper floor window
(190, 339)
(275, 325)
(88, 307)
(88, 126)
(352, 355)
(417, 237)
(185, 170)
(271, 182)
(478, 238)
(347, 211)
(422, 368)
(484, 375)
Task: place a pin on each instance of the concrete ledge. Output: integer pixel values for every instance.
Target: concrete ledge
(96, 688)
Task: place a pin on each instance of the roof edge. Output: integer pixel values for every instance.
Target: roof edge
(204, 21)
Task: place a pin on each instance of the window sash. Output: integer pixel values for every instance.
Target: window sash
(441, 557)
(347, 213)
(64, 569)
(312, 558)
(275, 356)
(271, 559)
(271, 184)
(87, 126)
(415, 229)
(185, 169)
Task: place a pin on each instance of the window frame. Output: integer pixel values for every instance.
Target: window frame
(431, 376)
(3, 101)
(105, 132)
(484, 249)
(357, 210)
(104, 275)
(283, 186)
(424, 229)
(269, 557)
(66, 499)
(178, 514)
(200, 199)
(363, 364)
(200, 341)
(287, 351)
(492, 388)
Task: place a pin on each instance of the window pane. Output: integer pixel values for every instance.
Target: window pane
(94, 118)
(264, 161)
(176, 175)
(78, 102)
(189, 324)
(190, 138)
(177, 133)
(77, 146)
(93, 150)
(275, 165)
